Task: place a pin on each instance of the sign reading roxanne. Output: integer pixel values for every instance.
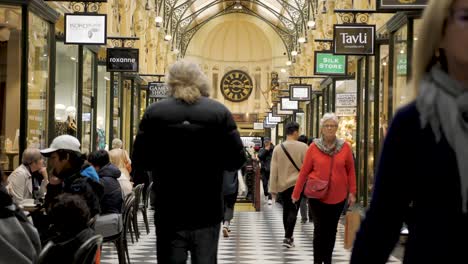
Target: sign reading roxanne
(354, 39)
(122, 60)
(89, 29)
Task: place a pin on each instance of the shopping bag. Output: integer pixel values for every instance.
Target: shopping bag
(352, 222)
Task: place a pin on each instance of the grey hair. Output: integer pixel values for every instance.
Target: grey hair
(328, 116)
(117, 143)
(187, 82)
(31, 155)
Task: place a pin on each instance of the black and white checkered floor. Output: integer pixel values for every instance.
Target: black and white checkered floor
(256, 237)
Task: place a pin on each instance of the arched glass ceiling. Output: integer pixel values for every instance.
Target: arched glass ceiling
(183, 18)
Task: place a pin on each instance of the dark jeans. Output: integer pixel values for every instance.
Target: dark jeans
(305, 209)
(229, 202)
(289, 212)
(173, 247)
(265, 181)
(326, 217)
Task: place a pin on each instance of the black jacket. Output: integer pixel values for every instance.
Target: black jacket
(230, 182)
(417, 182)
(187, 148)
(111, 201)
(265, 157)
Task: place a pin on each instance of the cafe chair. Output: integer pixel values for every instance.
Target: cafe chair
(86, 254)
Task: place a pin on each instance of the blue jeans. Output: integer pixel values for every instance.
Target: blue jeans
(173, 247)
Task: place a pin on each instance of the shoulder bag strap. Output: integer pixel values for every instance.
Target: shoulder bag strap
(289, 157)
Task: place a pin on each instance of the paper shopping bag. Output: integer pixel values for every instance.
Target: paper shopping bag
(353, 220)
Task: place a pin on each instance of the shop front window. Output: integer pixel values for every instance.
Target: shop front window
(87, 129)
(38, 81)
(65, 89)
(383, 92)
(301, 121)
(371, 124)
(102, 127)
(401, 95)
(136, 117)
(345, 109)
(143, 105)
(116, 112)
(10, 86)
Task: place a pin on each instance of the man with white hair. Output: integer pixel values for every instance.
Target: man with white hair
(187, 141)
(21, 183)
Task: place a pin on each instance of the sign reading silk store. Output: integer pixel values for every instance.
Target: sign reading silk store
(354, 39)
(122, 60)
(86, 29)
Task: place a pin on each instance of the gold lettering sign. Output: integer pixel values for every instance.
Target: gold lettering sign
(236, 86)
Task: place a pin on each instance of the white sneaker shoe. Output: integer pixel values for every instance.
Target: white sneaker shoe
(270, 202)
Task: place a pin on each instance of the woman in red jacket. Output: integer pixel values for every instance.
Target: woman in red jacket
(328, 159)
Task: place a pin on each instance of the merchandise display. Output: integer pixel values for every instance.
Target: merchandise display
(347, 130)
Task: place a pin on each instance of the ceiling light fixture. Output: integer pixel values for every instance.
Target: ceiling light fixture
(283, 70)
(311, 23)
(158, 19)
(288, 63)
(301, 40)
(294, 53)
(168, 37)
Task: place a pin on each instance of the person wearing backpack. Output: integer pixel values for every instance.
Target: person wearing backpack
(285, 166)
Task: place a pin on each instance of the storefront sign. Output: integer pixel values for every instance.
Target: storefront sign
(346, 99)
(258, 126)
(273, 119)
(246, 118)
(281, 112)
(158, 90)
(122, 60)
(326, 63)
(354, 39)
(402, 65)
(345, 111)
(299, 92)
(401, 4)
(89, 29)
(287, 104)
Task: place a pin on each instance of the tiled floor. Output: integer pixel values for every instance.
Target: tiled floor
(256, 237)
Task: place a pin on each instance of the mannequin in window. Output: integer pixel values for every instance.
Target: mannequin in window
(71, 121)
(60, 117)
(101, 134)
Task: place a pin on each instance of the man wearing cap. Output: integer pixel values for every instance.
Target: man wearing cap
(264, 155)
(70, 174)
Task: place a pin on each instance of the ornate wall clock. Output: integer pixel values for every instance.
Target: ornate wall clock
(236, 86)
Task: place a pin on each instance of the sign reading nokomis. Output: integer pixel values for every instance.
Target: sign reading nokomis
(86, 29)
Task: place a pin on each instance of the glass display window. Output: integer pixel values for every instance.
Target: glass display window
(116, 107)
(383, 92)
(346, 113)
(10, 85)
(87, 129)
(38, 82)
(401, 94)
(102, 111)
(370, 128)
(66, 80)
(143, 95)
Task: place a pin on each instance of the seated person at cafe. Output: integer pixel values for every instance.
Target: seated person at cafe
(19, 240)
(109, 222)
(30, 179)
(69, 217)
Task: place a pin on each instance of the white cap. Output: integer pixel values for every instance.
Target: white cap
(65, 142)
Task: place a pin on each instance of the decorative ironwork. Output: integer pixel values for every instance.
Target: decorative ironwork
(354, 16)
(85, 7)
(123, 42)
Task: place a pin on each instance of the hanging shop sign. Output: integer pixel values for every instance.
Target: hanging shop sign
(236, 86)
(346, 99)
(273, 119)
(245, 118)
(345, 111)
(281, 112)
(287, 104)
(86, 29)
(354, 39)
(402, 65)
(258, 126)
(401, 4)
(158, 90)
(299, 92)
(122, 60)
(326, 63)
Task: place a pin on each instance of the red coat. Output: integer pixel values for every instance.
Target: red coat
(317, 164)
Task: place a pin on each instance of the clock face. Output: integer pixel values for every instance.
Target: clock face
(236, 86)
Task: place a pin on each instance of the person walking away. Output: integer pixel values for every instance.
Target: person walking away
(20, 243)
(285, 165)
(422, 175)
(188, 178)
(328, 159)
(117, 158)
(306, 212)
(21, 183)
(230, 191)
(264, 155)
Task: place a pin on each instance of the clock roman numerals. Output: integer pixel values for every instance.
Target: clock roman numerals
(236, 86)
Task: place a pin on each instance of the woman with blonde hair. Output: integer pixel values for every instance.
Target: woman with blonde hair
(422, 176)
(118, 157)
(328, 168)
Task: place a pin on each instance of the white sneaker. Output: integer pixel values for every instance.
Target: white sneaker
(270, 202)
